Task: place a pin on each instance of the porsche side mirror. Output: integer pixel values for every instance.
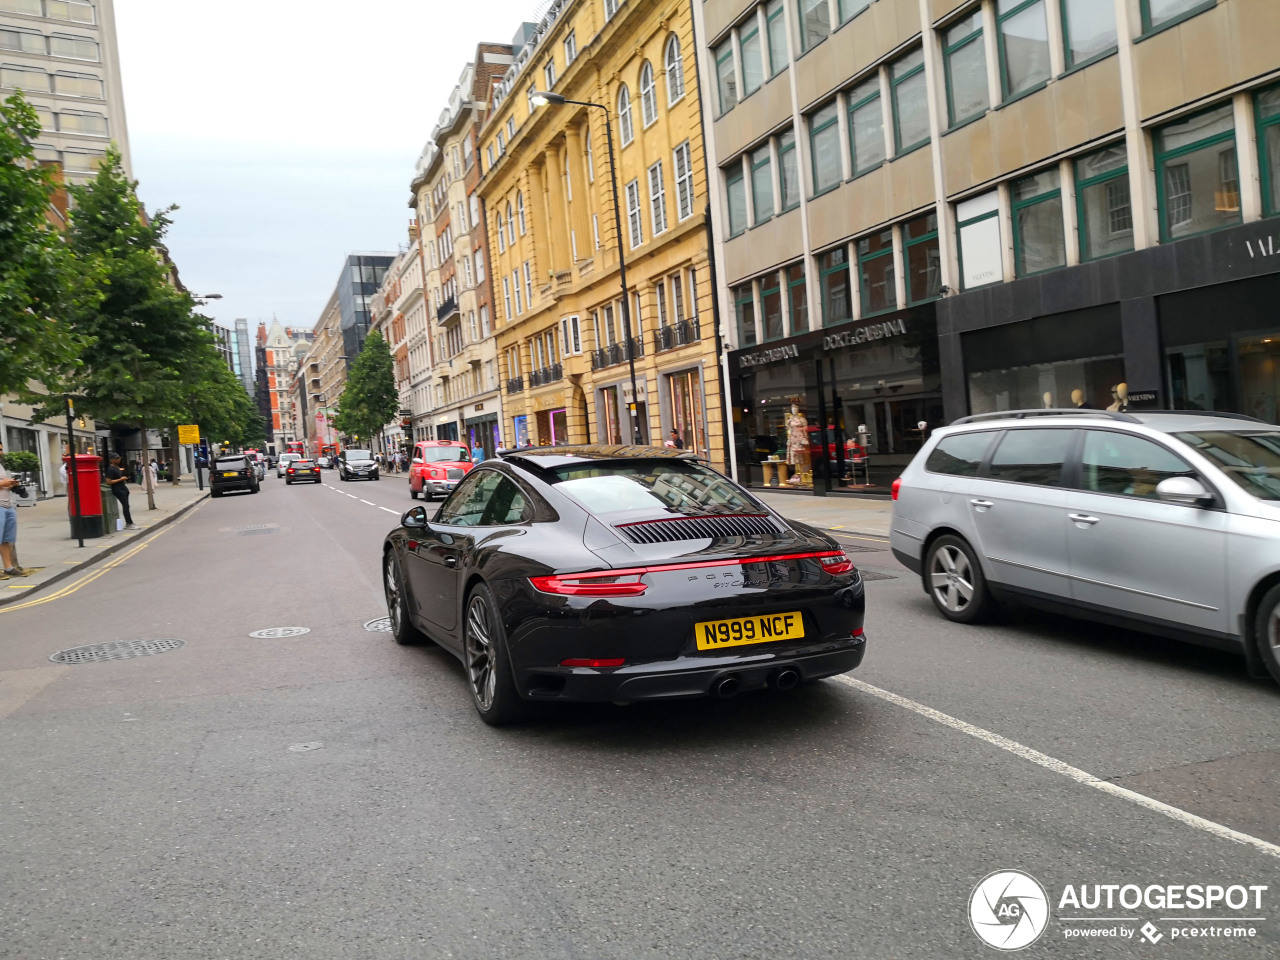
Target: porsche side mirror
(414, 519)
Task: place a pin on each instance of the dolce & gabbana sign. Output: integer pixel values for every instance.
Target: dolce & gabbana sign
(787, 352)
(864, 334)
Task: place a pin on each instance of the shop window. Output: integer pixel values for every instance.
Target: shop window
(1088, 383)
(788, 170)
(1039, 243)
(752, 53)
(910, 102)
(824, 145)
(762, 184)
(726, 76)
(866, 126)
(1196, 177)
(736, 194)
(797, 295)
(1161, 13)
(1023, 33)
(684, 390)
(1266, 105)
(1088, 30)
(978, 232)
(771, 306)
(965, 57)
(745, 310)
(833, 269)
(877, 277)
(776, 26)
(1103, 205)
(815, 23)
(924, 260)
(851, 8)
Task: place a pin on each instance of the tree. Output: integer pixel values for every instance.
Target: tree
(371, 398)
(39, 281)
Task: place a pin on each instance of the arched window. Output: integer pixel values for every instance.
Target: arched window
(624, 115)
(675, 70)
(520, 211)
(511, 226)
(648, 95)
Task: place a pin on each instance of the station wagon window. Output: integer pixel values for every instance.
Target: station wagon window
(1131, 466)
(1031, 456)
(961, 454)
(1251, 460)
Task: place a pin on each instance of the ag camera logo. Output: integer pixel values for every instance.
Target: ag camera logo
(1008, 910)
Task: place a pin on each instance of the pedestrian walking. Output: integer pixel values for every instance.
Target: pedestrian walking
(118, 480)
(8, 524)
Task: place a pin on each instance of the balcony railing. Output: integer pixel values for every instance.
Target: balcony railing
(676, 335)
(515, 384)
(546, 375)
(617, 353)
(447, 309)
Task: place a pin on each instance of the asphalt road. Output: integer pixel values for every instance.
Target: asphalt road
(332, 795)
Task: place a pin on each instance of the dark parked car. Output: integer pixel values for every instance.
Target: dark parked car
(619, 573)
(233, 472)
(357, 465)
(301, 470)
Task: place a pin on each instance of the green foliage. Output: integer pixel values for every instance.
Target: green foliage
(370, 399)
(21, 461)
(214, 398)
(40, 282)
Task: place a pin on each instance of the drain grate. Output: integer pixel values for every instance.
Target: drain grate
(381, 625)
(872, 575)
(277, 633)
(116, 650)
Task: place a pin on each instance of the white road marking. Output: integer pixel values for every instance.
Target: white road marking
(369, 502)
(388, 509)
(1073, 773)
(353, 496)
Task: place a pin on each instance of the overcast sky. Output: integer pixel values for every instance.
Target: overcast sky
(287, 133)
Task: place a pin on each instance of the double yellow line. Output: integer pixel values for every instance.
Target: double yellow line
(90, 577)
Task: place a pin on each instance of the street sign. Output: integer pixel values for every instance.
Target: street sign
(188, 433)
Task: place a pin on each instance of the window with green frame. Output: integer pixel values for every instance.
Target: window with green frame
(726, 76)
(1161, 13)
(775, 25)
(924, 258)
(866, 125)
(736, 194)
(1039, 240)
(1197, 180)
(965, 58)
(876, 274)
(978, 237)
(1023, 33)
(815, 22)
(749, 48)
(789, 171)
(824, 146)
(744, 308)
(771, 306)
(798, 298)
(1266, 108)
(761, 184)
(851, 8)
(1103, 207)
(1088, 30)
(910, 102)
(833, 275)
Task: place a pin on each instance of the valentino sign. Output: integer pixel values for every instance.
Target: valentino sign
(872, 331)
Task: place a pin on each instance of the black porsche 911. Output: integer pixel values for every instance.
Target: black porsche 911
(619, 573)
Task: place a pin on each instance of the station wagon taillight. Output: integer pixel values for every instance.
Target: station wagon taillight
(897, 485)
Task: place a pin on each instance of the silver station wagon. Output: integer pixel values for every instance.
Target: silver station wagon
(1167, 522)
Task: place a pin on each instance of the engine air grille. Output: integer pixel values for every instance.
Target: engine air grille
(698, 528)
(454, 473)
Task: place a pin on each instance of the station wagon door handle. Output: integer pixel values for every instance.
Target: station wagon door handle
(982, 503)
(1082, 518)
(450, 561)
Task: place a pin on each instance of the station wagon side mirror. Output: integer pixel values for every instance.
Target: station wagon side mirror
(1185, 490)
(416, 518)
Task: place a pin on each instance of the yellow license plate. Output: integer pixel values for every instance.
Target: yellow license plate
(714, 634)
(230, 474)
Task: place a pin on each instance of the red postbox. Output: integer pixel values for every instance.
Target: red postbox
(85, 483)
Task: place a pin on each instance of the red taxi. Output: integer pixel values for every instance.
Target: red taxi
(437, 467)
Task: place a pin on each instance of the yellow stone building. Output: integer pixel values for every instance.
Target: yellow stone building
(563, 354)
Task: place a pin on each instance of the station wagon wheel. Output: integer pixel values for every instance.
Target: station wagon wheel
(489, 677)
(1267, 631)
(402, 628)
(953, 578)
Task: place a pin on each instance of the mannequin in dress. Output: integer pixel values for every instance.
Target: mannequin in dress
(797, 439)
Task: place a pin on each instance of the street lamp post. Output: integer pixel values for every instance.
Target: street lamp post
(540, 98)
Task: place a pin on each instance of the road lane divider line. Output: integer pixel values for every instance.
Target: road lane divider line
(388, 509)
(369, 502)
(1081, 777)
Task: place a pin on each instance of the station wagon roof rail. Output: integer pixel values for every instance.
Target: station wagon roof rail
(1022, 414)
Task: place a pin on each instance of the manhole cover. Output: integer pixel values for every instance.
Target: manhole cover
(872, 575)
(276, 633)
(116, 650)
(381, 625)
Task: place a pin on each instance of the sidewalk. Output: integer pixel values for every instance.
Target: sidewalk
(850, 514)
(45, 544)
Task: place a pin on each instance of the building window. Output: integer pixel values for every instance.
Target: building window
(610, 8)
(685, 391)
(77, 85)
(1196, 180)
(736, 193)
(1158, 13)
(1102, 203)
(876, 274)
(515, 291)
(866, 126)
(683, 165)
(924, 260)
(833, 271)
(775, 25)
(978, 231)
(657, 199)
(489, 153)
(660, 296)
(22, 41)
(966, 65)
(75, 48)
(520, 212)
(93, 124)
(484, 321)
(506, 297)
(1088, 30)
(797, 298)
(511, 226)
(1038, 240)
(635, 229)
(591, 160)
(824, 145)
(851, 8)
(570, 49)
(528, 284)
(479, 258)
(1266, 106)
(1023, 33)
(789, 170)
(910, 102)
(752, 53)
(677, 296)
(745, 309)
(675, 70)
(549, 75)
(726, 78)
(648, 95)
(815, 22)
(771, 306)
(475, 212)
(511, 128)
(73, 10)
(762, 184)
(625, 131)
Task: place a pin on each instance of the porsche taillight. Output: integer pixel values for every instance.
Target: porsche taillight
(592, 584)
(837, 562)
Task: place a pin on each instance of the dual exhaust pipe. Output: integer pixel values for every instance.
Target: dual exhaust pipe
(784, 678)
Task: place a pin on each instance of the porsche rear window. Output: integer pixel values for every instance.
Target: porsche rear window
(674, 485)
